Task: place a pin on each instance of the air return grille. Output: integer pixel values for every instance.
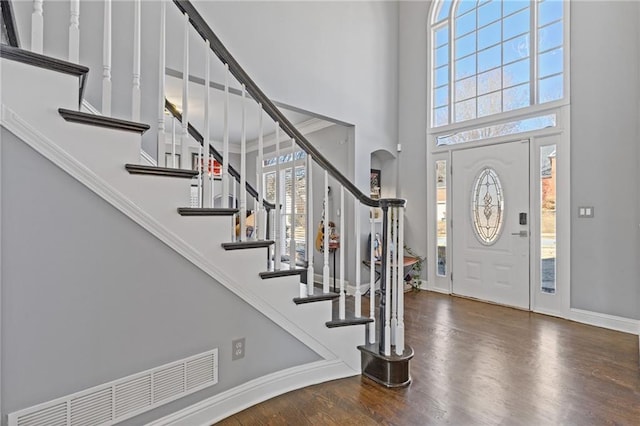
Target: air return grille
(124, 398)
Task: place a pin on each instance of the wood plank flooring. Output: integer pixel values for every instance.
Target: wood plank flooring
(480, 364)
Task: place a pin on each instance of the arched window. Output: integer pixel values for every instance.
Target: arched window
(489, 57)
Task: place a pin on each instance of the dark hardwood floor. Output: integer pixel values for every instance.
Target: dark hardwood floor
(480, 364)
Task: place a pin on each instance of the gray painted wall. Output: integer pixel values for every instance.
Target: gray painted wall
(88, 296)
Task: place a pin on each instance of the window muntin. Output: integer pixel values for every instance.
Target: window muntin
(495, 65)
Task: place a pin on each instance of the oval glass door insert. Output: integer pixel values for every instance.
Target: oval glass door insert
(487, 206)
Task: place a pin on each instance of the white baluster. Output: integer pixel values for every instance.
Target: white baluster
(135, 92)
(207, 183)
(358, 292)
(259, 222)
(400, 330)
(342, 301)
(393, 289)
(243, 167)
(276, 223)
(161, 88)
(225, 143)
(372, 278)
(325, 267)
(173, 142)
(386, 284)
(106, 60)
(310, 227)
(74, 31)
(184, 140)
(37, 27)
(292, 237)
(212, 179)
(234, 237)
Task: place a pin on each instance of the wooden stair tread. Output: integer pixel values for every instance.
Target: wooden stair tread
(282, 273)
(140, 169)
(102, 121)
(206, 211)
(348, 321)
(241, 245)
(315, 298)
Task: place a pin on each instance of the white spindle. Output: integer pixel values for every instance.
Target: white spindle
(161, 88)
(325, 242)
(358, 293)
(292, 237)
(207, 183)
(276, 222)
(106, 60)
(74, 31)
(342, 301)
(243, 167)
(135, 92)
(173, 142)
(372, 278)
(235, 205)
(37, 26)
(400, 330)
(212, 179)
(184, 140)
(387, 298)
(225, 143)
(259, 220)
(393, 289)
(310, 227)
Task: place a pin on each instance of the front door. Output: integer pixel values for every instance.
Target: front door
(490, 188)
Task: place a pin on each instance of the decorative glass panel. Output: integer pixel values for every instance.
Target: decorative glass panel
(487, 206)
(441, 217)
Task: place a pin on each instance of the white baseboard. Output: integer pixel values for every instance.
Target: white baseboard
(435, 289)
(255, 391)
(626, 325)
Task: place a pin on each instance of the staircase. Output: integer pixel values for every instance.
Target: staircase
(42, 100)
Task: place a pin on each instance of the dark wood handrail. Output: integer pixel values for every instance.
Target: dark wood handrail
(10, 23)
(195, 134)
(200, 25)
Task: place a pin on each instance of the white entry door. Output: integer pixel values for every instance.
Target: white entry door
(490, 188)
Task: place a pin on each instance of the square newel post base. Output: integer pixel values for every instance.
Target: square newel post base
(391, 371)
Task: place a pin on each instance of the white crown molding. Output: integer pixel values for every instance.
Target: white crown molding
(39, 142)
(253, 392)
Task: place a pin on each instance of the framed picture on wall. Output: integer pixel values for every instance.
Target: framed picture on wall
(375, 184)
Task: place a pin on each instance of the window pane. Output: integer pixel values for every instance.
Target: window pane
(464, 6)
(270, 187)
(550, 63)
(441, 226)
(516, 24)
(441, 116)
(489, 104)
(465, 24)
(445, 10)
(441, 96)
(466, 67)
(516, 73)
(515, 97)
(549, 11)
(548, 219)
(466, 88)
(490, 35)
(490, 81)
(511, 6)
(442, 55)
(489, 12)
(550, 37)
(550, 89)
(465, 45)
(465, 110)
(441, 76)
(515, 49)
(442, 36)
(511, 128)
(490, 58)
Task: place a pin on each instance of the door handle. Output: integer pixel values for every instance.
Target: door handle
(521, 233)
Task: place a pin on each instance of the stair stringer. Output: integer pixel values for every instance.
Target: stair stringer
(274, 299)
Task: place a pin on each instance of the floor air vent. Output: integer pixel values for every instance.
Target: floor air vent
(124, 398)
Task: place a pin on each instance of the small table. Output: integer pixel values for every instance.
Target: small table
(333, 247)
(409, 262)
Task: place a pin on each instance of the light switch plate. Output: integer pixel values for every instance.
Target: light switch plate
(586, 212)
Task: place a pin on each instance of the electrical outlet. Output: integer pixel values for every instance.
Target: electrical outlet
(237, 348)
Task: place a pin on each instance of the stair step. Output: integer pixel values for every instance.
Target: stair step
(46, 62)
(315, 298)
(348, 321)
(241, 245)
(198, 211)
(139, 169)
(282, 273)
(102, 121)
